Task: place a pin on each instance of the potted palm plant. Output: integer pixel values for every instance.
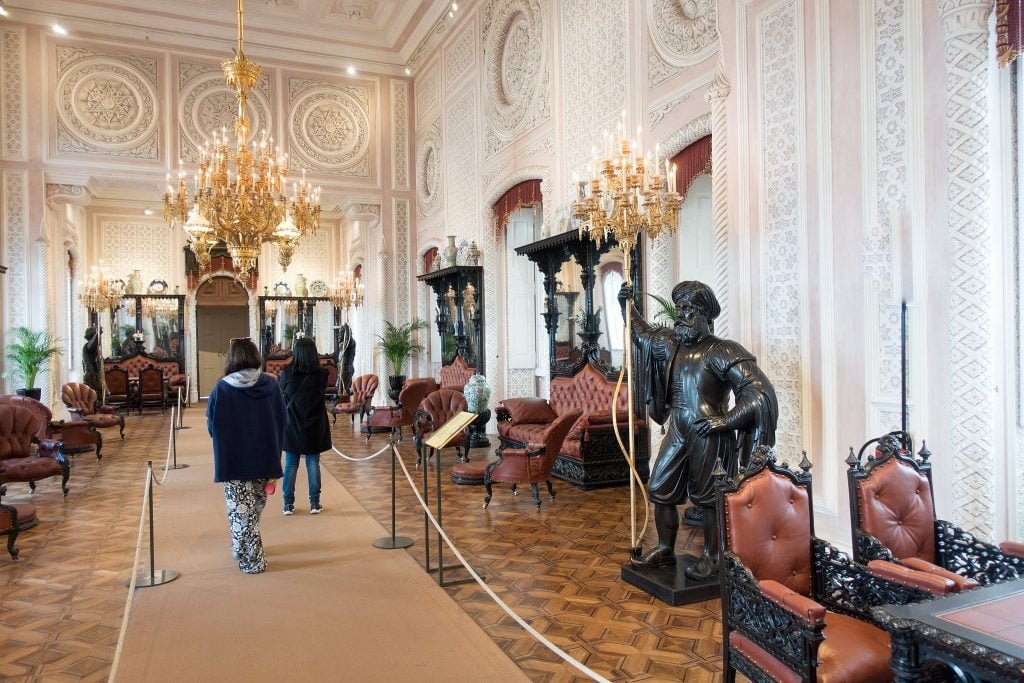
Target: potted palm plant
(397, 345)
(27, 354)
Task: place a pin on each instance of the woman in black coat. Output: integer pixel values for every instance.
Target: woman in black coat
(307, 432)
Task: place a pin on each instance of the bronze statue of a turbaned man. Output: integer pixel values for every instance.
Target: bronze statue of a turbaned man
(689, 376)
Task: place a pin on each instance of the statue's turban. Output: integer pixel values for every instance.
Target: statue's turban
(700, 295)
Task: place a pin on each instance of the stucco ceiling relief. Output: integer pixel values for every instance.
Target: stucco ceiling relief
(429, 189)
(329, 127)
(206, 105)
(683, 32)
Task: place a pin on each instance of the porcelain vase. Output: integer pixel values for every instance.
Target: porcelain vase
(450, 253)
(478, 394)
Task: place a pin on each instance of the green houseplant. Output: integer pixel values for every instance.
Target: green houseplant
(397, 345)
(28, 353)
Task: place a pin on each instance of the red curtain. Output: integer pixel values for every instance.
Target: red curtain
(691, 162)
(526, 193)
(1009, 30)
(428, 259)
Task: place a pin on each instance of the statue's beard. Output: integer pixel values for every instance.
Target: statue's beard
(687, 334)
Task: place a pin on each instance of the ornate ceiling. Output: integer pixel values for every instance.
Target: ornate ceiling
(372, 31)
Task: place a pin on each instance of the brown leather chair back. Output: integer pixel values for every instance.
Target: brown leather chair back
(38, 409)
(551, 439)
(363, 389)
(456, 374)
(79, 396)
(895, 503)
(151, 382)
(17, 427)
(331, 378)
(586, 391)
(768, 526)
(412, 394)
(117, 383)
(440, 406)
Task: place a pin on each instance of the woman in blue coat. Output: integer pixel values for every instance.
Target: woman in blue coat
(245, 417)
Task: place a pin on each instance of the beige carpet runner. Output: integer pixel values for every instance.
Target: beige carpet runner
(330, 606)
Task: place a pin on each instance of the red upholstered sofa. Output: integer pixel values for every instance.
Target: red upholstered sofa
(135, 364)
(590, 456)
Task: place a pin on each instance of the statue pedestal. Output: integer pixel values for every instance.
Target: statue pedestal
(670, 585)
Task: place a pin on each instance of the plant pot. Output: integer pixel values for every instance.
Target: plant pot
(34, 392)
(395, 382)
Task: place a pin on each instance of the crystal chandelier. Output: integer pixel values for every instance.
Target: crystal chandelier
(99, 292)
(240, 194)
(625, 196)
(348, 291)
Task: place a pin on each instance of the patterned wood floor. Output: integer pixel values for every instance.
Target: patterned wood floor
(61, 604)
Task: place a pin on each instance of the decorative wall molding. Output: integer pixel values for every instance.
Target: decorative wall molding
(461, 166)
(400, 134)
(428, 93)
(15, 218)
(12, 93)
(969, 197)
(680, 34)
(658, 112)
(206, 104)
(545, 145)
(686, 136)
(783, 249)
(401, 212)
(149, 253)
(64, 193)
(460, 56)
(429, 178)
(329, 127)
(106, 103)
(717, 96)
(516, 72)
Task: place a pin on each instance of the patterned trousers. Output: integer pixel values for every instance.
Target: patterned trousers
(245, 501)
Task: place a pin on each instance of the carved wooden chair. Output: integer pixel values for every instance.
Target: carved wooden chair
(80, 400)
(793, 607)
(532, 464)
(358, 400)
(119, 392)
(434, 410)
(394, 418)
(892, 511)
(330, 379)
(152, 389)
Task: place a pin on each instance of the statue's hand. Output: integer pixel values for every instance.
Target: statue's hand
(625, 295)
(710, 425)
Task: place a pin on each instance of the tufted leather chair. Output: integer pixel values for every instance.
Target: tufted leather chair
(74, 437)
(393, 419)
(152, 389)
(358, 401)
(892, 511)
(434, 410)
(331, 379)
(80, 400)
(23, 457)
(118, 387)
(788, 597)
(531, 464)
(455, 374)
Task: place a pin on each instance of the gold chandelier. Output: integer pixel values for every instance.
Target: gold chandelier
(348, 291)
(99, 292)
(241, 196)
(626, 196)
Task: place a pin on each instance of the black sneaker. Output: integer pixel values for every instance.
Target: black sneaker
(315, 508)
(289, 510)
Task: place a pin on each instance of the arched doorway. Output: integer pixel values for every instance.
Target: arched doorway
(222, 313)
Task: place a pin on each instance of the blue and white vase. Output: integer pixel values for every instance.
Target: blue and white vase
(478, 394)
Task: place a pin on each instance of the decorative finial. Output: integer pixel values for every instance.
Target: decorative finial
(852, 460)
(924, 453)
(805, 463)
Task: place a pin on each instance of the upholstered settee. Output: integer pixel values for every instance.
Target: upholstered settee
(23, 457)
(455, 374)
(135, 364)
(590, 456)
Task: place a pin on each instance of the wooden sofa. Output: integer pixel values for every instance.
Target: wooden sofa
(133, 365)
(590, 456)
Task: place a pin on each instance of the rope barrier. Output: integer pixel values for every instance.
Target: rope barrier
(170, 449)
(368, 457)
(132, 582)
(583, 668)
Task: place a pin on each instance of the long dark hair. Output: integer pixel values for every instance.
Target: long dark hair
(242, 354)
(305, 358)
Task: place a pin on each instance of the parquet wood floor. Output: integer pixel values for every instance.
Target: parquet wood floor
(61, 604)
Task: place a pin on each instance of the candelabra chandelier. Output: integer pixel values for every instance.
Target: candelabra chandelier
(99, 292)
(625, 195)
(240, 196)
(348, 291)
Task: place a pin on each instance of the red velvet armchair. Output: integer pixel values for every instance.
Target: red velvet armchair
(23, 456)
(80, 400)
(434, 410)
(119, 390)
(531, 464)
(388, 418)
(74, 437)
(358, 400)
(793, 607)
(152, 389)
(892, 511)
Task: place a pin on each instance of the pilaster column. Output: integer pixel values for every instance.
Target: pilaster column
(716, 97)
(383, 286)
(971, 244)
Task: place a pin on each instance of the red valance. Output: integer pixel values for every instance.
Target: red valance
(428, 259)
(1009, 30)
(526, 193)
(694, 160)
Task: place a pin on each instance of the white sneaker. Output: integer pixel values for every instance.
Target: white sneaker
(289, 510)
(315, 509)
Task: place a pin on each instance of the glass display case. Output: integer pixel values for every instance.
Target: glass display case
(153, 324)
(460, 313)
(282, 317)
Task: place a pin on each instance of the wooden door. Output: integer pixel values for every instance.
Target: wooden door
(215, 327)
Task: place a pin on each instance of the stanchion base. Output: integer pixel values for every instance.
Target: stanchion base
(159, 577)
(185, 427)
(454, 582)
(393, 542)
(179, 466)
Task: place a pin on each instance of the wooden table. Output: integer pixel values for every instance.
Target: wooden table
(979, 633)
